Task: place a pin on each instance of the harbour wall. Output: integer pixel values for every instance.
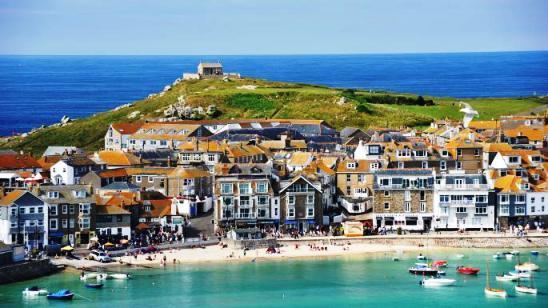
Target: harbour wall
(534, 241)
(26, 270)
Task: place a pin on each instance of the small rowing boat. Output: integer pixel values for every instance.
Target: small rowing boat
(102, 276)
(534, 252)
(505, 277)
(520, 274)
(34, 291)
(437, 282)
(85, 276)
(492, 291)
(63, 294)
(440, 263)
(94, 285)
(466, 270)
(119, 276)
(497, 256)
(527, 266)
(530, 289)
(423, 269)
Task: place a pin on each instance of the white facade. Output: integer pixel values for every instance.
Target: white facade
(125, 231)
(537, 203)
(462, 206)
(62, 174)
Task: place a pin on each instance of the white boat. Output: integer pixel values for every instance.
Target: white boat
(495, 292)
(506, 278)
(492, 291)
(35, 291)
(395, 259)
(421, 257)
(102, 276)
(88, 276)
(509, 256)
(515, 252)
(437, 282)
(119, 276)
(520, 274)
(527, 266)
(498, 255)
(460, 256)
(524, 289)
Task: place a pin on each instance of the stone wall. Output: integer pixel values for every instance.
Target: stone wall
(535, 241)
(26, 270)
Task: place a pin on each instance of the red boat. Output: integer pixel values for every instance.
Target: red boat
(439, 263)
(468, 270)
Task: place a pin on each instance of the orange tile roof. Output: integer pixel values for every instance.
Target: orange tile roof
(118, 158)
(484, 124)
(149, 171)
(113, 173)
(509, 183)
(300, 158)
(361, 166)
(497, 147)
(534, 134)
(11, 197)
(188, 173)
(11, 161)
(127, 128)
(110, 210)
(47, 161)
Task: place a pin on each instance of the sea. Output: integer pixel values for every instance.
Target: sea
(371, 280)
(39, 90)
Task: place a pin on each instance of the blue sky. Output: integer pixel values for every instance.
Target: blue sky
(202, 27)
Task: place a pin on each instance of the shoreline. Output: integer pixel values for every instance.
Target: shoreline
(300, 249)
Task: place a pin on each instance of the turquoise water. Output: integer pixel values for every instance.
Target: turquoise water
(337, 281)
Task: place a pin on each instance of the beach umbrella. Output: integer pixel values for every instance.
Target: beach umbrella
(94, 239)
(123, 241)
(109, 244)
(67, 248)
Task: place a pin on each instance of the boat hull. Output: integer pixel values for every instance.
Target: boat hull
(495, 292)
(522, 289)
(423, 271)
(438, 282)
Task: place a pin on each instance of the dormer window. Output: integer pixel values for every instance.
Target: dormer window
(420, 153)
(351, 165)
(53, 194)
(403, 153)
(459, 152)
(536, 159)
(444, 153)
(79, 193)
(513, 159)
(374, 166)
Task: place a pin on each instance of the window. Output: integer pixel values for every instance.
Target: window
(119, 218)
(443, 165)
(481, 199)
(374, 150)
(401, 165)
(13, 211)
(386, 205)
(351, 165)
(64, 223)
(21, 210)
(244, 201)
(40, 210)
(290, 199)
(31, 210)
(361, 178)
(374, 166)
(226, 188)
(310, 211)
(119, 230)
(53, 224)
(444, 199)
(310, 199)
(407, 195)
(476, 152)
(520, 210)
(84, 208)
(53, 209)
(275, 211)
(84, 223)
(504, 199)
(291, 212)
(532, 199)
(71, 223)
(532, 209)
(424, 165)
(387, 193)
(481, 210)
(71, 209)
(138, 179)
(459, 183)
(422, 195)
(520, 199)
(461, 209)
(385, 182)
(262, 187)
(162, 142)
(211, 157)
(444, 153)
(245, 188)
(459, 165)
(151, 179)
(513, 159)
(504, 209)
(422, 206)
(348, 178)
(407, 206)
(459, 152)
(53, 194)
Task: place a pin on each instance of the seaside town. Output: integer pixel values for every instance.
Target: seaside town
(241, 185)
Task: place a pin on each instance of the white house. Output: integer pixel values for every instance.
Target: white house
(537, 208)
(68, 171)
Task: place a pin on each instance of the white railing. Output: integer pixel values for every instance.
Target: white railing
(463, 186)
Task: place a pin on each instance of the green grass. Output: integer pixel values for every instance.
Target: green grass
(271, 100)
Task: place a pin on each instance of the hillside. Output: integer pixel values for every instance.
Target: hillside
(253, 98)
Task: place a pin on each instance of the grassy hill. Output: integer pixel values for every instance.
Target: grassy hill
(240, 99)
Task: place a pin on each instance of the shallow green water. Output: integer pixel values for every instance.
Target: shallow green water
(339, 281)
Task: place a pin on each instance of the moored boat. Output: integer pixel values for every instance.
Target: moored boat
(421, 269)
(119, 276)
(102, 276)
(466, 270)
(440, 263)
(63, 294)
(520, 274)
(534, 252)
(459, 256)
(509, 256)
(85, 276)
(421, 257)
(515, 252)
(527, 266)
(34, 291)
(497, 256)
(525, 289)
(437, 282)
(492, 291)
(505, 277)
(94, 285)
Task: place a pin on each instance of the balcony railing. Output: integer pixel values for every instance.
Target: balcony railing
(457, 203)
(463, 186)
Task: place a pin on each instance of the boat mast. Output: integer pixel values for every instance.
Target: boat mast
(487, 277)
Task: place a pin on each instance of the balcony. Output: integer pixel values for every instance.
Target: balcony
(457, 203)
(462, 187)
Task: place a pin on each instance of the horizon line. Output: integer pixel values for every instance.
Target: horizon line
(267, 54)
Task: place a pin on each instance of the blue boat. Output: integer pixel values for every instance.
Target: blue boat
(534, 253)
(63, 294)
(94, 285)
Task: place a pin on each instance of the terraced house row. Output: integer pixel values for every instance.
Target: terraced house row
(199, 177)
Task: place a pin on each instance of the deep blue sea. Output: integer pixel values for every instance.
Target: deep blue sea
(37, 90)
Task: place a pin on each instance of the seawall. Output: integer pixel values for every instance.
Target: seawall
(26, 270)
(450, 241)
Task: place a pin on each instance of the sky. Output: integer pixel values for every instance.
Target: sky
(247, 27)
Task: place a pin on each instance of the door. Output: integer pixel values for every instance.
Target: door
(71, 239)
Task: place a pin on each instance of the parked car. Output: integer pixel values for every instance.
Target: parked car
(99, 256)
